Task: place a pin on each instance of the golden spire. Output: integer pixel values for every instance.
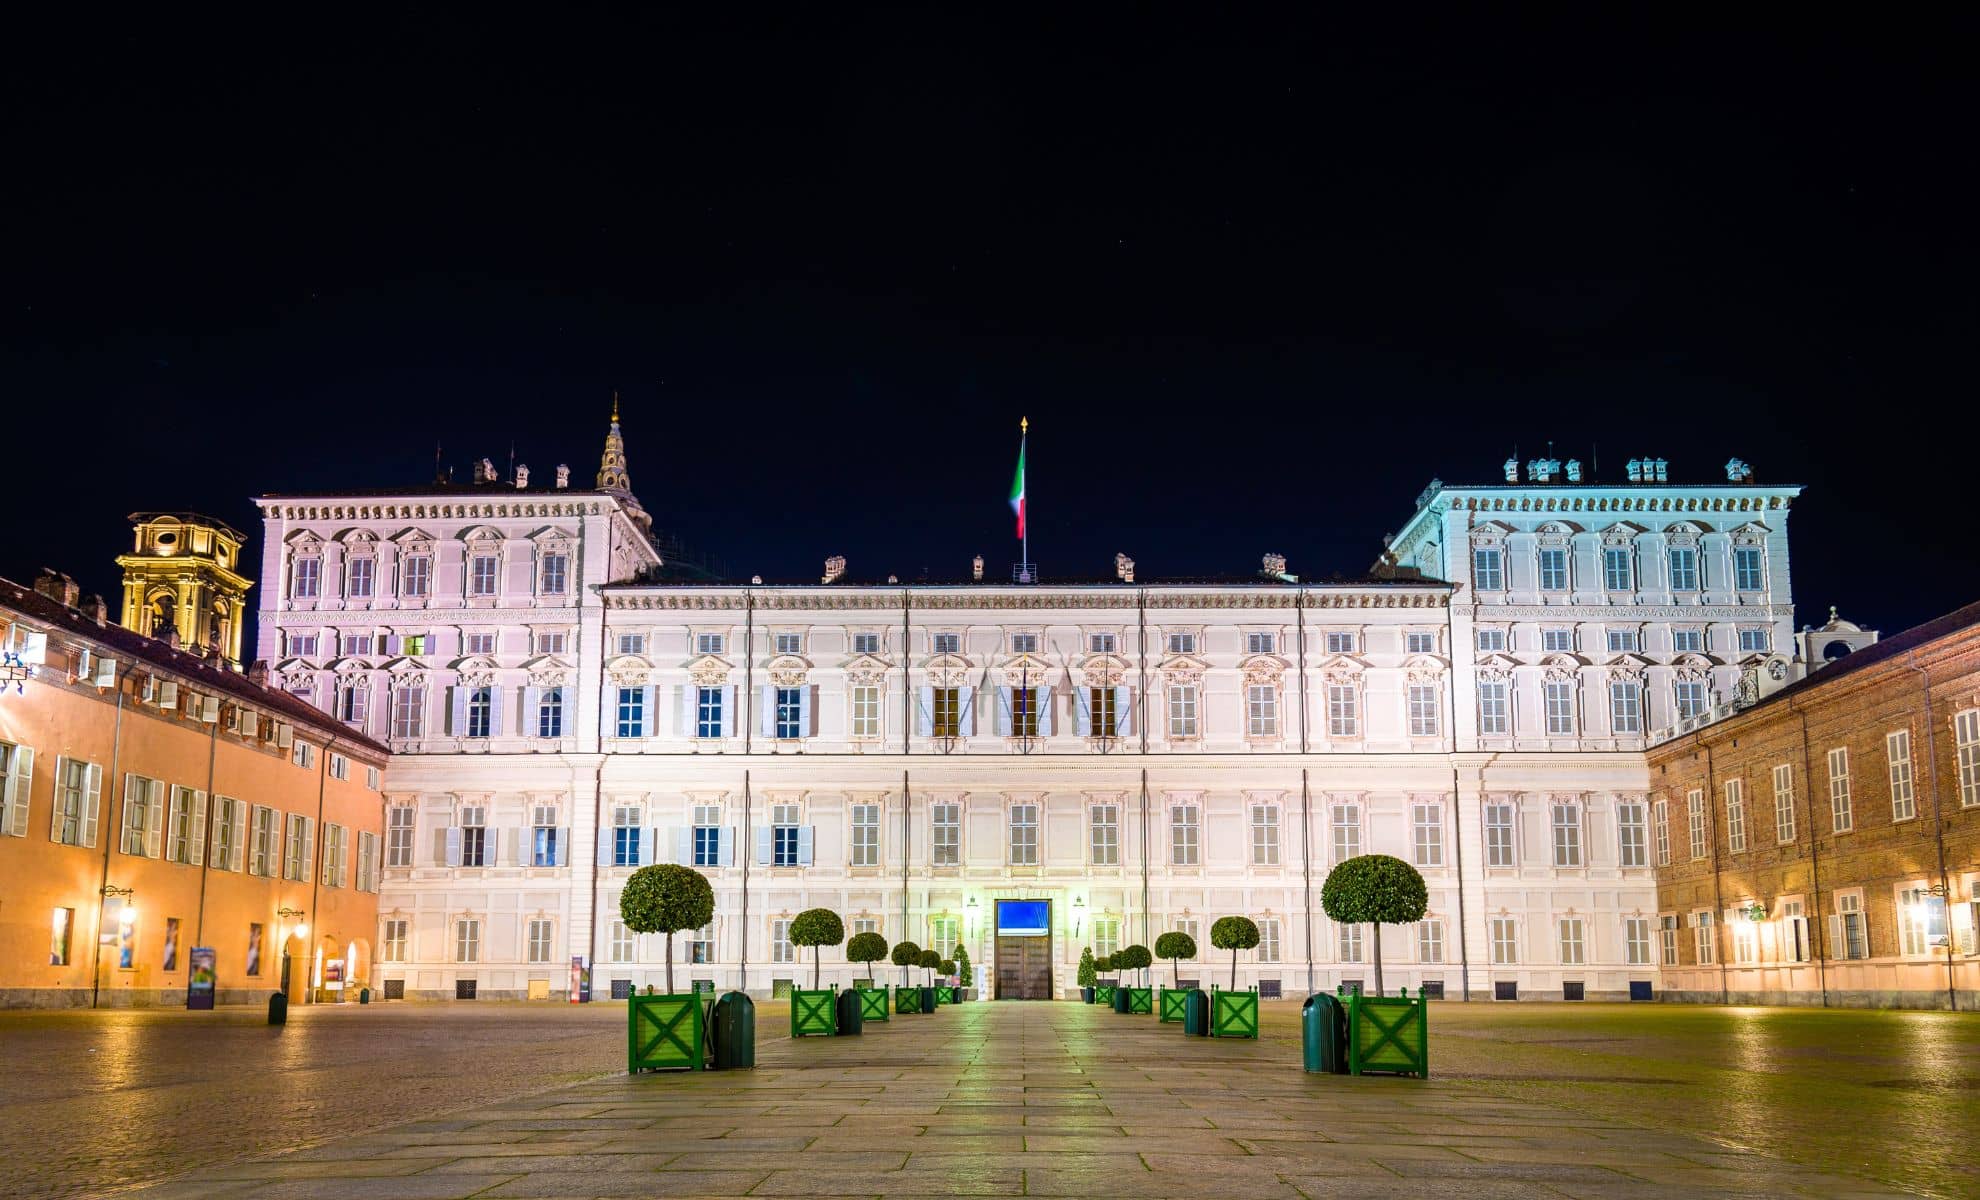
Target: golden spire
(1024, 424)
(615, 406)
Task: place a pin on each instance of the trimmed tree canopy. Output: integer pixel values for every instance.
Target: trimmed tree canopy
(666, 898)
(1133, 958)
(1104, 963)
(906, 954)
(1175, 945)
(866, 948)
(817, 927)
(1088, 969)
(930, 959)
(947, 966)
(1374, 889)
(1234, 933)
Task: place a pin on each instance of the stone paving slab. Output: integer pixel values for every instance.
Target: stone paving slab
(1010, 1100)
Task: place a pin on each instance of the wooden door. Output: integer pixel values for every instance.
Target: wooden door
(1024, 968)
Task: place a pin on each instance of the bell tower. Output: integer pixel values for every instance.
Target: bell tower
(182, 582)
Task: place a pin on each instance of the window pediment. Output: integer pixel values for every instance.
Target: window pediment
(867, 669)
(1622, 533)
(1559, 660)
(788, 670)
(1491, 533)
(1685, 533)
(1753, 533)
(412, 539)
(1343, 664)
(1497, 665)
(948, 670)
(481, 534)
(1629, 666)
(355, 539)
(474, 662)
(629, 670)
(1104, 670)
(1030, 667)
(552, 537)
(403, 664)
(1263, 668)
(1183, 668)
(709, 670)
(346, 667)
(548, 662)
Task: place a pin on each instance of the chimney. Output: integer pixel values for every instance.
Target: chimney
(522, 476)
(1738, 472)
(92, 606)
(258, 672)
(563, 476)
(1124, 568)
(56, 586)
(1275, 564)
(1512, 470)
(835, 567)
(1635, 469)
(1663, 470)
(976, 568)
(1574, 470)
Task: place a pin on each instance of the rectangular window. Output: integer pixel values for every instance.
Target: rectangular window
(408, 711)
(866, 710)
(1425, 707)
(632, 643)
(1966, 750)
(1636, 941)
(1754, 641)
(1553, 570)
(1688, 641)
(1851, 932)
(1106, 936)
(262, 844)
(1897, 749)
(1024, 835)
(623, 943)
(1783, 803)
(943, 934)
(1264, 835)
(1024, 643)
(790, 713)
(1105, 712)
(414, 643)
(340, 767)
(1260, 643)
(1691, 698)
(309, 578)
(1684, 568)
(1182, 710)
(1567, 833)
(1419, 643)
(1667, 931)
(1661, 814)
(785, 836)
(1505, 941)
(1101, 643)
(708, 712)
(1501, 850)
(539, 940)
(336, 861)
(1794, 932)
(1623, 641)
(1491, 641)
(296, 852)
(948, 643)
(360, 578)
(304, 645)
(1913, 921)
(625, 837)
(185, 826)
(551, 642)
(479, 643)
(946, 719)
(480, 712)
(416, 577)
(790, 643)
(1745, 938)
(357, 643)
(1182, 643)
(474, 837)
(1341, 643)
(1427, 834)
(1268, 939)
(708, 643)
(1024, 712)
(701, 944)
(1706, 945)
(1616, 573)
(1736, 816)
(1430, 941)
(1842, 818)
(1347, 832)
(481, 578)
(61, 936)
(1348, 939)
(1557, 695)
(866, 835)
(1749, 574)
(392, 940)
(550, 713)
(399, 835)
(1625, 706)
(1488, 569)
(1105, 825)
(1630, 834)
(1571, 942)
(144, 805)
(1694, 804)
(866, 643)
(1262, 710)
(1343, 713)
(1557, 641)
(1494, 715)
(1183, 832)
(553, 578)
(543, 847)
(946, 845)
(706, 836)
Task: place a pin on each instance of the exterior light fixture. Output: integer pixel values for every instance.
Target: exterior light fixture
(292, 914)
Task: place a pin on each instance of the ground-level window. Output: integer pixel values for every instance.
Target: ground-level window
(1636, 941)
(540, 931)
(467, 940)
(1505, 941)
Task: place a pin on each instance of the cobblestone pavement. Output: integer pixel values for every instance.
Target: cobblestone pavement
(1017, 1099)
(97, 1101)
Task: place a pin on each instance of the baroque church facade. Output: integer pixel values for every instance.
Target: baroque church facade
(565, 707)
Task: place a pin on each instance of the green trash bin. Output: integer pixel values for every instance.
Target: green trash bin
(1323, 1034)
(732, 1032)
(1120, 998)
(1196, 1013)
(364, 995)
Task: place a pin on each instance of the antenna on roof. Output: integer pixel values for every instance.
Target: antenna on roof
(512, 458)
(436, 461)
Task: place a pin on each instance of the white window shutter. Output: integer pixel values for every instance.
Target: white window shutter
(649, 721)
(1042, 696)
(1082, 713)
(682, 839)
(19, 784)
(766, 708)
(530, 720)
(240, 837)
(309, 845)
(453, 846)
(804, 845)
(196, 829)
(966, 698)
(209, 709)
(807, 711)
(605, 845)
(725, 851)
(924, 712)
(168, 694)
(457, 710)
(495, 710)
(729, 710)
(106, 672)
(1838, 945)
(154, 821)
(1123, 706)
(763, 846)
(684, 698)
(1003, 712)
(564, 846)
(654, 847)
(34, 649)
(285, 735)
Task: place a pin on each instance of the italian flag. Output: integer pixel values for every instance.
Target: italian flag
(1017, 489)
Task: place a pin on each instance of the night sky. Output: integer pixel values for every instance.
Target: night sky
(1254, 284)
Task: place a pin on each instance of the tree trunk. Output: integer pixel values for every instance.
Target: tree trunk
(1234, 969)
(816, 952)
(670, 962)
(1378, 958)
(1175, 972)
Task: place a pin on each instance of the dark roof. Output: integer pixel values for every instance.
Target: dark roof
(56, 616)
(1880, 651)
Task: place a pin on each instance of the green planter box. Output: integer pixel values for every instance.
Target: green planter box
(1141, 1000)
(811, 1012)
(907, 999)
(945, 995)
(1233, 1014)
(1173, 1005)
(1388, 1033)
(1103, 994)
(872, 1004)
(664, 1033)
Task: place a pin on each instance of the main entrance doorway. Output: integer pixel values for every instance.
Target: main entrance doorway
(1024, 949)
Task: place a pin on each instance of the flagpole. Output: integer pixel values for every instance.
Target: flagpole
(1024, 522)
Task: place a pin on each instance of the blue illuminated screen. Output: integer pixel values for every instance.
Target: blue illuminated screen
(1021, 918)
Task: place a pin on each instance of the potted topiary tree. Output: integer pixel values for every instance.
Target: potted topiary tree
(1132, 999)
(906, 999)
(1234, 1013)
(1103, 989)
(965, 975)
(945, 993)
(1378, 890)
(1174, 946)
(929, 961)
(869, 948)
(811, 1009)
(1088, 973)
(666, 1031)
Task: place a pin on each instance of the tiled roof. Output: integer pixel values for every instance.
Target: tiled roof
(121, 643)
(1881, 651)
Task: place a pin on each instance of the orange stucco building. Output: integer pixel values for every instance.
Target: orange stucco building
(156, 802)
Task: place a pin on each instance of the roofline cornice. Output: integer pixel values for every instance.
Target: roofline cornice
(634, 598)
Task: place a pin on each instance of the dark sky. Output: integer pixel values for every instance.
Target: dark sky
(1254, 284)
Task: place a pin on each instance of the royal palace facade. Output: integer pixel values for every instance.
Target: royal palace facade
(563, 706)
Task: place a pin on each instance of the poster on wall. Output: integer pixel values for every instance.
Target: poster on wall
(254, 950)
(580, 980)
(171, 943)
(205, 971)
(333, 974)
(126, 940)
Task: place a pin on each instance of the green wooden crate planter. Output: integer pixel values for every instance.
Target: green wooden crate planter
(811, 1012)
(1103, 994)
(1233, 1014)
(872, 1004)
(945, 995)
(664, 1033)
(907, 999)
(1174, 1002)
(1387, 1033)
(1141, 1000)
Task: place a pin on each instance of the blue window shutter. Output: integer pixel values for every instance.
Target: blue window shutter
(725, 847)
(766, 706)
(531, 717)
(684, 698)
(1042, 696)
(729, 710)
(453, 846)
(966, 697)
(457, 716)
(1082, 713)
(1003, 712)
(1123, 706)
(805, 710)
(924, 712)
(605, 845)
(564, 846)
(763, 846)
(804, 845)
(683, 840)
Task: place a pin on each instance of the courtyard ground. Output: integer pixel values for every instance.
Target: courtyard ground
(461, 1100)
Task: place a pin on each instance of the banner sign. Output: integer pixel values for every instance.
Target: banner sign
(205, 971)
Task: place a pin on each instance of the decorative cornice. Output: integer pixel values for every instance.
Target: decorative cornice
(432, 510)
(1616, 503)
(671, 600)
(1491, 613)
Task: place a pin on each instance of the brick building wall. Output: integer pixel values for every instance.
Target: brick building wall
(1798, 843)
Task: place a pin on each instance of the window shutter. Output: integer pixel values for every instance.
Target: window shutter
(457, 711)
(453, 846)
(344, 857)
(1042, 697)
(308, 846)
(20, 789)
(563, 858)
(766, 708)
(495, 710)
(763, 846)
(807, 711)
(285, 735)
(924, 712)
(966, 700)
(92, 801)
(605, 845)
(804, 845)
(34, 649)
(240, 837)
(725, 847)
(649, 722)
(729, 710)
(209, 711)
(168, 694)
(154, 821)
(653, 846)
(1082, 713)
(684, 698)
(1123, 707)
(530, 721)
(1838, 945)
(1003, 712)
(683, 843)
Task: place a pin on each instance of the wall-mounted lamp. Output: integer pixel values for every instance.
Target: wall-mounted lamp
(291, 914)
(1079, 913)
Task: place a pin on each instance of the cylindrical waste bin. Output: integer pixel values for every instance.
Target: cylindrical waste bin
(278, 1008)
(364, 995)
(928, 999)
(1323, 1034)
(1196, 1013)
(1086, 994)
(851, 1017)
(732, 1032)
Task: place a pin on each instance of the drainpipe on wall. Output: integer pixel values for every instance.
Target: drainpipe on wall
(1457, 792)
(747, 851)
(206, 859)
(1938, 823)
(103, 829)
(316, 874)
(749, 668)
(1816, 939)
(1306, 868)
(1144, 857)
